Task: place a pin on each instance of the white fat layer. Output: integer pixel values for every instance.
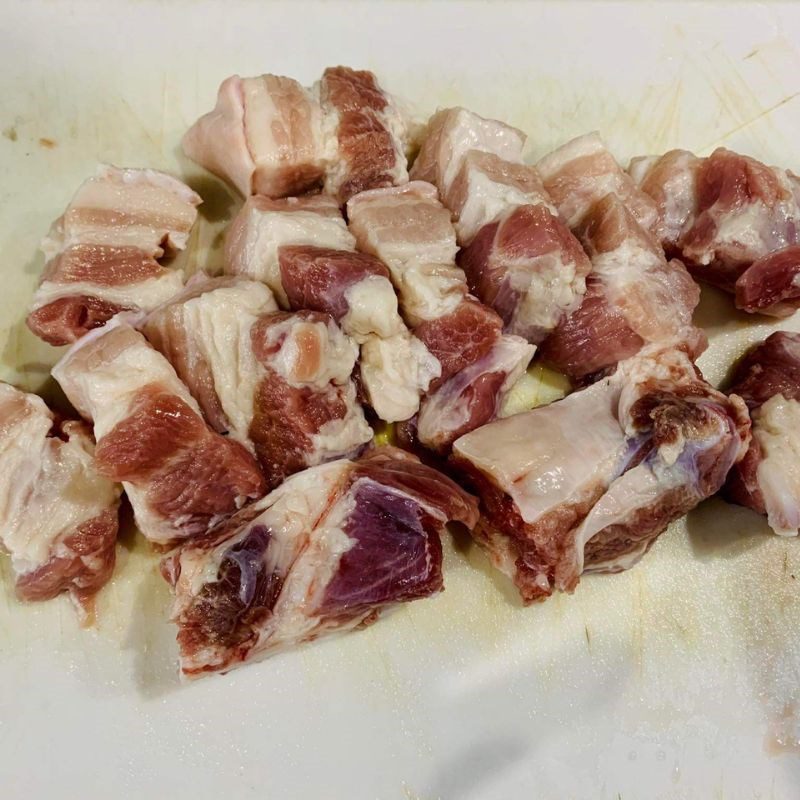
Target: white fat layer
(262, 117)
(430, 291)
(266, 231)
(217, 325)
(465, 131)
(488, 198)
(304, 590)
(395, 372)
(676, 194)
(403, 227)
(103, 386)
(535, 457)
(48, 487)
(337, 352)
(752, 229)
(165, 208)
(548, 289)
(640, 167)
(342, 437)
(625, 273)
(587, 145)
(145, 295)
(777, 430)
(372, 309)
(444, 411)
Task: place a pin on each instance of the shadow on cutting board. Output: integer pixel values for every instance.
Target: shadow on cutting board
(150, 636)
(718, 529)
(466, 546)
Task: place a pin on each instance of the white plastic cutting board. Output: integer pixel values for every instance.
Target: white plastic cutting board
(678, 679)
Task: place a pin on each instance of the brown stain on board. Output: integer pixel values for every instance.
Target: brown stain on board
(47, 143)
(10, 134)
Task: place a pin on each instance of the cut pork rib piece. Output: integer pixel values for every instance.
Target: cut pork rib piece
(634, 296)
(59, 514)
(264, 136)
(370, 133)
(768, 478)
(301, 248)
(734, 221)
(518, 256)
(452, 133)
(181, 477)
(103, 252)
(410, 231)
(582, 172)
(529, 268)
(474, 395)
(327, 551)
(263, 226)
(655, 439)
(278, 383)
(270, 136)
(352, 287)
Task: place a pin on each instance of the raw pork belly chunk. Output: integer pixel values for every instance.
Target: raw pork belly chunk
(103, 254)
(734, 221)
(326, 551)
(582, 172)
(271, 136)
(301, 248)
(768, 478)
(181, 477)
(634, 296)
(519, 257)
(587, 483)
(410, 231)
(59, 514)
(278, 383)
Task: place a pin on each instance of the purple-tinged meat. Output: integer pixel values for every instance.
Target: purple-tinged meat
(654, 440)
(326, 551)
(58, 513)
(768, 478)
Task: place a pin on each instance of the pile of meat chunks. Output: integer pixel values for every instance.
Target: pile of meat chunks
(237, 411)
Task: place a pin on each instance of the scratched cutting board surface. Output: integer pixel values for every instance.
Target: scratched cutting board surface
(678, 679)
